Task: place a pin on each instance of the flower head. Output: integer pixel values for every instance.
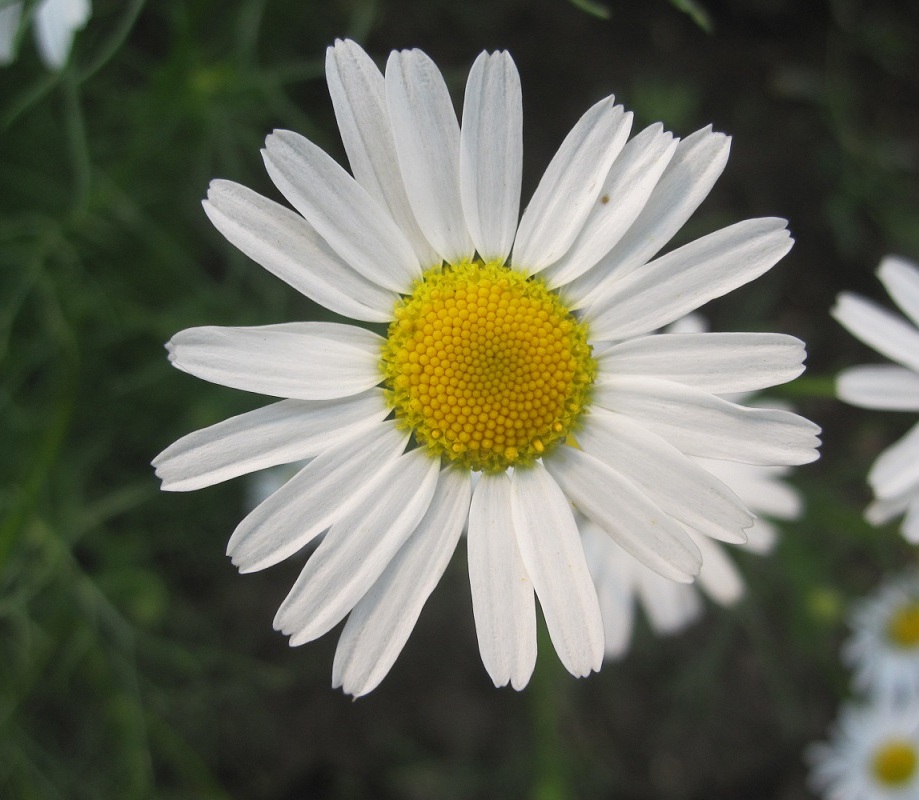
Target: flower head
(883, 650)
(873, 754)
(514, 351)
(894, 477)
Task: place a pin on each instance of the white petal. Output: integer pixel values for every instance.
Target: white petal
(427, 137)
(353, 224)
(901, 279)
(881, 386)
(910, 528)
(285, 245)
(697, 163)
(491, 154)
(670, 607)
(551, 549)
(713, 362)
(573, 180)
(359, 99)
(684, 279)
(701, 424)
(880, 512)
(303, 360)
(502, 595)
(626, 513)
(322, 492)
(611, 568)
(381, 622)
(897, 468)
(358, 547)
(9, 27)
(281, 433)
(680, 487)
(625, 192)
(719, 578)
(761, 488)
(56, 22)
(886, 332)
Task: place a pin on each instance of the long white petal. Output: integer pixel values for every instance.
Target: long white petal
(10, 16)
(673, 481)
(551, 549)
(572, 181)
(380, 624)
(358, 547)
(701, 424)
(503, 604)
(281, 433)
(901, 279)
(302, 360)
(322, 492)
(285, 245)
(720, 579)
(56, 22)
(359, 99)
(719, 363)
(670, 607)
(491, 154)
(625, 191)
(626, 513)
(697, 163)
(897, 468)
(427, 137)
(886, 332)
(612, 569)
(684, 279)
(353, 224)
(882, 386)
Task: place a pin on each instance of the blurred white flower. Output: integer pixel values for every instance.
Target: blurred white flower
(883, 651)
(621, 581)
(55, 23)
(894, 477)
(872, 754)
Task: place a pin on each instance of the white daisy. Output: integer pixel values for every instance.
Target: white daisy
(894, 477)
(506, 343)
(883, 651)
(873, 754)
(56, 22)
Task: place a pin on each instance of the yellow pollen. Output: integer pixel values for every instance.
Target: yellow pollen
(894, 762)
(486, 367)
(903, 627)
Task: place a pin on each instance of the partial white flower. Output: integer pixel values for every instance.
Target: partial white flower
(883, 651)
(894, 477)
(872, 754)
(485, 368)
(55, 24)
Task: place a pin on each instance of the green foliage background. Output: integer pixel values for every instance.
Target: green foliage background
(135, 662)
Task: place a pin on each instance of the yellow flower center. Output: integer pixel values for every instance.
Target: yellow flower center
(903, 627)
(894, 762)
(486, 367)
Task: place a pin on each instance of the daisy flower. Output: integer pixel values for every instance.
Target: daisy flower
(621, 581)
(56, 22)
(883, 651)
(873, 754)
(894, 477)
(513, 351)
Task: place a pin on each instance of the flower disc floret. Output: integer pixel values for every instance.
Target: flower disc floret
(485, 366)
(894, 763)
(903, 628)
